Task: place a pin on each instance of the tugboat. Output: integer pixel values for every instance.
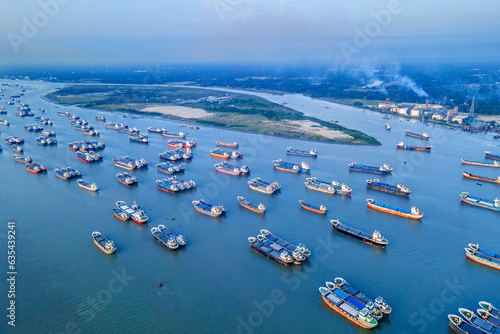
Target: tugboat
(481, 178)
(250, 206)
(413, 214)
(321, 209)
(35, 168)
(211, 210)
(329, 188)
(166, 241)
(220, 143)
(482, 256)
(489, 155)
(482, 203)
(87, 186)
(289, 247)
(283, 258)
(424, 136)
(67, 173)
(224, 167)
(312, 153)
(398, 189)
(168, 168)
(135, 212)
(375, 238)
(495, 163)
(107, 246)
(126, 179)
(290, 167)
(264, 187)
(384, 169)
(401, 146)
(179, 238)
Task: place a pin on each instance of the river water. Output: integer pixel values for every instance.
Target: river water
(217, 284)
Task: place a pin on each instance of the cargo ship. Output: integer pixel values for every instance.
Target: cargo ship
(283, 258)
(264, 187)
(290, 247)
(10, 140)
(495, 163)
(88, 157)
(67, 173)
(48, 133)
(384, 169)
(220, 143)
(154, 130)
(483, 203)
(375, 239)
(139, 138)
(398, 189)
(260, 208)
(461, 326)
(218, 153)
(312, 153)
(424, 136)
(490, 309)
(472, 319)
(414, 213)
(107, 246)
(317, 209)
(209, 209)
(226, 168)
(35, 168)
(481, 178)
(168, 168)
(179, 238)
(485, 315)
(489, 155)
(128, 163)
(44, 141)
(135, 212)
(163, 239)
(102, 119)
(126, 179)
(170, 155)
(87, 185)
(172, 184)
(177, 143)
(23, 160)
(401, 146)
(298, 257)
(290, 167)
(329, 188)
(482, 256)
(180, 135)
(86, 146)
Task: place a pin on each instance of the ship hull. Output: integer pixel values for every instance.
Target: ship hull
(480, 178)
(208, 213)
(478, 204)
(391, 190)
(482, 261)
(369, 170)
(359, 237)
(394, 212)
(415, 135)
(477, 163)
(346, 315)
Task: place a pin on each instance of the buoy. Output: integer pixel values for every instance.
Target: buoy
(159, 284)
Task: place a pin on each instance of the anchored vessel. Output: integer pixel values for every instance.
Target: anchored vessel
(135, 212)
(329, 188)
(485, 315)
(318, 209)
(398, 189)
(220, 143)
(126, 179)
(209, 209)
(163, 239)
(123, 216)
(178, 238)
(179, 135)
(264, 187)
(490, 308)
(482, 256)
(283, 258)
(495, 163)
(86, 146)
(489, 155)
(226, 168)
(42, 140)
(218, 153)
(481, 178)
(67, 173)
(356, 303)
(260, 208)
(375, 238)
(312, 153)
(87, 185)
(296, 254)
(414, 213)
(290, 247)
(461, 326)
(140, 138)
(35, 168)
(177, 143)
(107, 246)
(88, 157)
(18, 158)
(482, 203)
(384, 169)
(471, 318)
(129, 163)
(168, 168)
(424, 136)
(401, 146)
(172, 184)
(290, 167)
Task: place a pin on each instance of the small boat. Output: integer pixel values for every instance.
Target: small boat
(89, 131)
(321, 209)
(87, 185)
(179, 238)
(384, 169)
(35, 168)
(398, 189)
(356, 303)
(490, 308)
(387, 126)
(107, 246)
(166, 241)
(220, 143)
(73, 117)
(4, 122)
(375, 238)
(139, 138)
(328, 188)
(17, 148)
(224, 167)
(155, 130)
(103, 119)
(289, 247)
(168, 168)
(33, 128)
(179, 135)
(290, 167)
(88, 157)
(264, 187)
(298, 257)
(48, 133)
(461, 326)
(489, 155)
(123, 216)
(126, 129)
(260, 208)
(41, 140)
(312, 153)
(283, 258)
(424, 136)
(63, 113)
(483, 203)
(128, 163)
(414, 213)
(361, 318)
(481, 178)
(208, 209)
(218, 153)
(194, 127)
(486, 316)
(170, 155)
(135, 212)
(86, 146)
(126, 179)
(67, 173)
(379, 303)
(24, 160)
(10, 140)
(495, 163)
(112, 126)
(172, 184)
(482, 256)
(401, 146)
(472, 319)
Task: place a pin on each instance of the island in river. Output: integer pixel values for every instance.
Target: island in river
(223, 109)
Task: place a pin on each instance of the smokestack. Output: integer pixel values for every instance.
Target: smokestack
(387, 102)
(427, 104)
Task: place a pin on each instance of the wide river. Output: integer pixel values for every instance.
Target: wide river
(217, 283)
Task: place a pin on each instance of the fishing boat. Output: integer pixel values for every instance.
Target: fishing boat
(487, 306)
(495, 163)
(489, 155)
(398, 189)
(283, 258)
(67, 173)
(102, 119)
(89, 131)
(172, 184)
(211, 210)
(4, 122)
(107, 246)
(328, 188)
(112, 126)
(166, 241)
(298, 257)
(483, 203)
(225, 144)
(354, 301)
(128, 163)
(24, 160)
(414, 213)
(401, 146)
(472, 319)
(177, 143)
(387, 126)
(218, 153)
(135, 212)
(126, 179)
(226, 168)
(139, 138)
(260, 208)
(378, 302)
(290, 247)
(17, 148)
(461, 326)
(123, 216)
(424, 136)
(88, 157)
(481, 178)
(312, 153)
(264, 187)
(486, 316)
(290, 167)
(375, 238)
(35, 168)
(48, 133)
(155, 130)
(361, 318)
(87, 185)
(321, 209)
(179, 135)
(168, 168)
(179, 238)
(482, 256)
(384, 169)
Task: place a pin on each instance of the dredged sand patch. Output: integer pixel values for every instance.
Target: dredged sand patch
(178, 111)
(316, 128)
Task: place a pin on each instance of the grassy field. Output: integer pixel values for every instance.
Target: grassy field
(227, 110)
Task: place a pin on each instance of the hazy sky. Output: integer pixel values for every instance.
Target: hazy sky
(125, 31)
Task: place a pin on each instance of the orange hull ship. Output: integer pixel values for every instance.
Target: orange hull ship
(413, 214)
